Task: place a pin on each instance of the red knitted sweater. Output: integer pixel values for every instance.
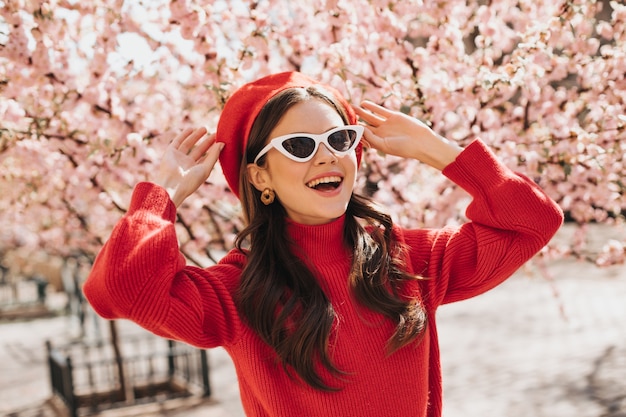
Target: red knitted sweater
(141, 275)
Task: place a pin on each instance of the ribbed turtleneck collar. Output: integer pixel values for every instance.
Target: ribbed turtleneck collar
(321, 243)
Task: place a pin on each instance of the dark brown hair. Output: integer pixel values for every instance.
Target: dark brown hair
(280, 297)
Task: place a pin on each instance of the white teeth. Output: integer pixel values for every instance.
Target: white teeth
(323, 180)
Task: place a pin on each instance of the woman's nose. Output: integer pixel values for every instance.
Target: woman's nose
(324, 155)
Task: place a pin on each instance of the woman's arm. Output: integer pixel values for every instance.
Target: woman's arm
(511, 218)
(140, 273)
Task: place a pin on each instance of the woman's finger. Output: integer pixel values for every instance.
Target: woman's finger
(213, 152)
(377, 108)
(178, 139)
(368, 117)
(372, 140)
(201, 147)
(189, 142)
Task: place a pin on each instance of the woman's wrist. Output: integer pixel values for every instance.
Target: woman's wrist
(171, 191)
(440, 153)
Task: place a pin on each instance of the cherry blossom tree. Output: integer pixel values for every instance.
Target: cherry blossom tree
(92, 91)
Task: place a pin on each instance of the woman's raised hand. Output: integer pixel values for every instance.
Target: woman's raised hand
(396, 133)
(187, 163)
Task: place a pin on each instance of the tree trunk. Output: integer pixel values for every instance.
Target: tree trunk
(125, 389)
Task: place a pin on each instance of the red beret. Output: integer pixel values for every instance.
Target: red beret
(241, 110)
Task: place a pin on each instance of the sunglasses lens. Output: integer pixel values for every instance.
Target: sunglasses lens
(299, 146)
(342, 140)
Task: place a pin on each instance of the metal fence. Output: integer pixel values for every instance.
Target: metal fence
(90, 378)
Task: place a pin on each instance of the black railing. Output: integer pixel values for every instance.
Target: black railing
(89, 378)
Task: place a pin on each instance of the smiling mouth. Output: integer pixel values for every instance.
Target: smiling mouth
(325, 183)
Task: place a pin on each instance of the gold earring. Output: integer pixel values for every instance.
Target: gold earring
(267, 196)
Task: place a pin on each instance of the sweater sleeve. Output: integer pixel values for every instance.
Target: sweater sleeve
(141, 275)
(510, 220)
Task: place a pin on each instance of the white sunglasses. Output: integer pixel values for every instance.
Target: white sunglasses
(301, 147)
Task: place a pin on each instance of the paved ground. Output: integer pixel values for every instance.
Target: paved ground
(532, 347)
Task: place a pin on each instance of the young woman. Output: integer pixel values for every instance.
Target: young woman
(325, 306)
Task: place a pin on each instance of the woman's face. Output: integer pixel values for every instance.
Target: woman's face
(316, 191)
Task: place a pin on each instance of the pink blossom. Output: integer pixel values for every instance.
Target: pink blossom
(541, 83)
(613, 252)
(11, 111)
